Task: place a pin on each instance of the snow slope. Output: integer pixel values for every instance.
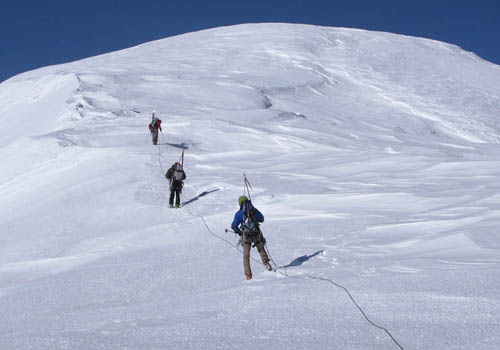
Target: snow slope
(373, 156)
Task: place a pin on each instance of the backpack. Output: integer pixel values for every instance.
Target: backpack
(154, 125)
(176, 180)
(177, 175)
(250, 225)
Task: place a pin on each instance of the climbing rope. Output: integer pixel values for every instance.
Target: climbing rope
(159, 157)
(285, 273)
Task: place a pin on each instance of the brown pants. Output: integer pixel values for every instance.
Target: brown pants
(259, 242)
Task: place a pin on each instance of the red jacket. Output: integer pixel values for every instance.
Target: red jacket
(155, 125)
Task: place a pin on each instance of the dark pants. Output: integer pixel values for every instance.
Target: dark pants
(154, 135)
(175, 192)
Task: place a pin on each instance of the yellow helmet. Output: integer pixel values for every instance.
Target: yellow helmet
(242, 199)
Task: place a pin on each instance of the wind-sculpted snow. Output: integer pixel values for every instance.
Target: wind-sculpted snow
(373, 156)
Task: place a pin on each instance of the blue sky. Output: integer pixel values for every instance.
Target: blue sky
(35, 34)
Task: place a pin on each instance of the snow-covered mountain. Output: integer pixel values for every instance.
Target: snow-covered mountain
(374, 158)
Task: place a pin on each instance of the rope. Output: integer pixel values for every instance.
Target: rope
(279, 268)
(159, 157)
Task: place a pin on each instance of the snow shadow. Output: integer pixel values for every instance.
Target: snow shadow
(291, 116)
(202, 194)
(302, 259)
(176, 145)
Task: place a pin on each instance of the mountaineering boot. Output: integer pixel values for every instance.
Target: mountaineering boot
(268, 266)
(177, 205)
(249, 277)
(171, 205)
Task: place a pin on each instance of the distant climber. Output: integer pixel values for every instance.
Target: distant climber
(246, 224)
(176, 176)
(153, 128)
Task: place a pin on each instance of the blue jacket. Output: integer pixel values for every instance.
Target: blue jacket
(240, 214)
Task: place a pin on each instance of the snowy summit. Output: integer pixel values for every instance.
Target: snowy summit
(374, 158)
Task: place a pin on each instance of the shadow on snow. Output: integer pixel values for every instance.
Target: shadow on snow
(302, 259)
(204, 193)
(176, 145)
